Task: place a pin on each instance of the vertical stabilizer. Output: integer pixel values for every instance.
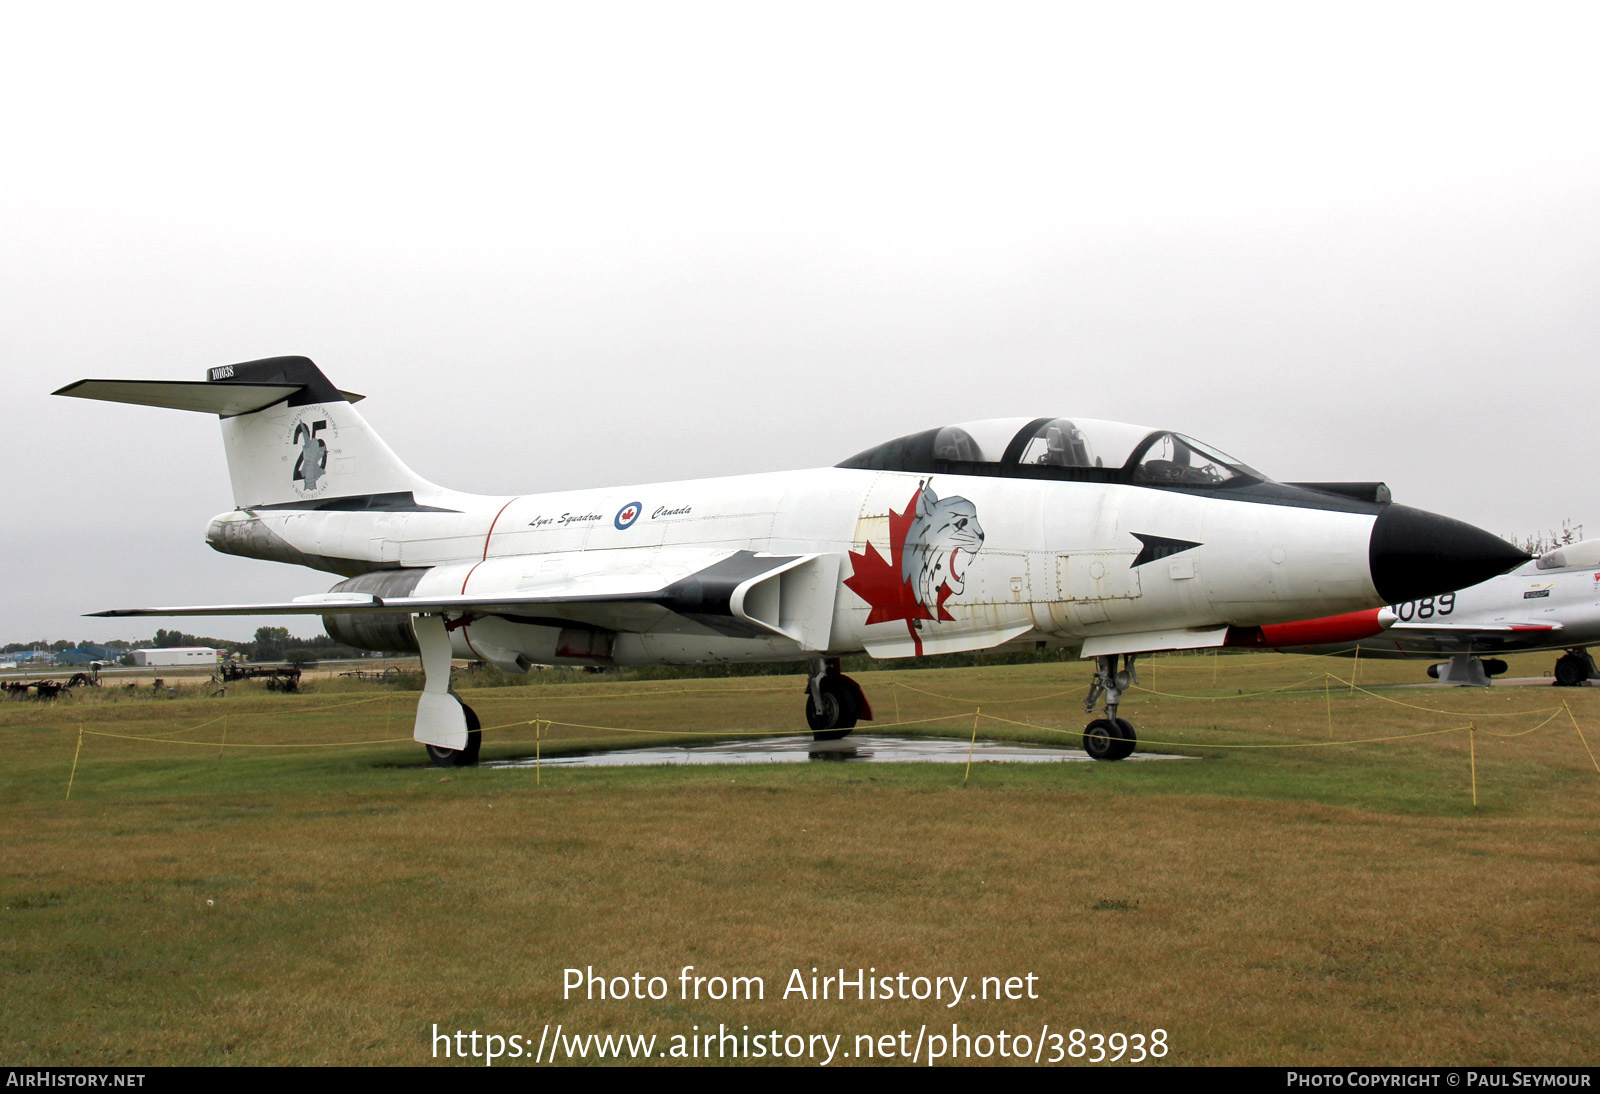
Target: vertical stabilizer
(292, 439)
(312, 450)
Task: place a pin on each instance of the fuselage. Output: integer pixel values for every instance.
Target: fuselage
(1052, 563)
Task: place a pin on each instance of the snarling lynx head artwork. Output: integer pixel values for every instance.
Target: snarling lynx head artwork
(940, 544)
(931, 545)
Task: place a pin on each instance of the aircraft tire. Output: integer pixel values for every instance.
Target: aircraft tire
(1105, 739)
(1571, 672)
(838, 714)
(460, 757)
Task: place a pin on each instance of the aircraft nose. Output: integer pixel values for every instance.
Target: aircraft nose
(1415, 554)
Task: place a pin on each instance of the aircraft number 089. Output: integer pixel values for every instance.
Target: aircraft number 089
(1426, 608)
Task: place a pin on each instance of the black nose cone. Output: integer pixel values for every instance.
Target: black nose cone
(1415, 554)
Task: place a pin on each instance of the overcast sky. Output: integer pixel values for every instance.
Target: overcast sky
(564, 245)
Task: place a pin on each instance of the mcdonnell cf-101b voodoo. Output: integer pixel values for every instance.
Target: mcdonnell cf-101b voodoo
(1111, 539)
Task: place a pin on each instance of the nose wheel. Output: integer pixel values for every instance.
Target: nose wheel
(1109, 738)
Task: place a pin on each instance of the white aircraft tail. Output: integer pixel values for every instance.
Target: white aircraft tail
(293, 440)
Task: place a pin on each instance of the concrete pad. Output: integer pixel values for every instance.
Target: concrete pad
(855, 748)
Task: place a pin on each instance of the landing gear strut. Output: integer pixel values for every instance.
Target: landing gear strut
(1109, 738)
(460, 757)
(834, 701)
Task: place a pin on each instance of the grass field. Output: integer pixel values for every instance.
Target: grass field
(264, 879)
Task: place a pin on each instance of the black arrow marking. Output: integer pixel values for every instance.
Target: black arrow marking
(1158, 547)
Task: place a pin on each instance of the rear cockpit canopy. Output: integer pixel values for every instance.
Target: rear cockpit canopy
(1073, 449)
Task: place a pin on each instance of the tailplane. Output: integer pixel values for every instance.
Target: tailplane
(293, 440)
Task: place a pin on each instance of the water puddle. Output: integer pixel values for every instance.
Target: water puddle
(798, 750)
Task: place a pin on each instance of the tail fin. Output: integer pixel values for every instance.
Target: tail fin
(293, 440)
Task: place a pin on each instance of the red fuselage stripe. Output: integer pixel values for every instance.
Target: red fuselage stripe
(490, 536)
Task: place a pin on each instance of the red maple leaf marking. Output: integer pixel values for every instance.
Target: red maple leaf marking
(877, 580)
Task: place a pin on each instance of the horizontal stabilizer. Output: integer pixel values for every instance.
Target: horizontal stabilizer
(201, 396)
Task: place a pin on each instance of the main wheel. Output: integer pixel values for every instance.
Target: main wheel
(1107, 739)
(1571, 671)
(460, 757)
(838, 714)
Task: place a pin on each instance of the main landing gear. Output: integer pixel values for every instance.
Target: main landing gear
(1574, 667)
(460, 757)
(834, 701)
(1109, 738)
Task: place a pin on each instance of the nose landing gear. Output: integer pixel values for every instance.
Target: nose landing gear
(1110, 738)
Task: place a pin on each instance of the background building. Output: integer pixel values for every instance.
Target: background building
(176, 655)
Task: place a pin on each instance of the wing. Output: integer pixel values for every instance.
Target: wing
(727, 592)
(1422, 637)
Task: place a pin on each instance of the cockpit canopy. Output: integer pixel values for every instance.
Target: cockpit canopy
(1083, 449)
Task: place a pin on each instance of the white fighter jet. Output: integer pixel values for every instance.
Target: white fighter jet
(1551, 603)
(1111, 539)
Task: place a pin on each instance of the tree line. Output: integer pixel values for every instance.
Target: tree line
(270, 644)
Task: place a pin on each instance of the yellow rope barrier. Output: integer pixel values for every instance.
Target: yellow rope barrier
(1209, 744)
(967, 699)
(640, 694)
(202, 725)
(1304, 685)
(723, 733)
(212, 744)
(1582, 738)
(1456, 713)
(1524, 732)
(543, 726)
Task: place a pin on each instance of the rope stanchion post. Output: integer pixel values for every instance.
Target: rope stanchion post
(973, 744)
(1472, 751)
(74, 773)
